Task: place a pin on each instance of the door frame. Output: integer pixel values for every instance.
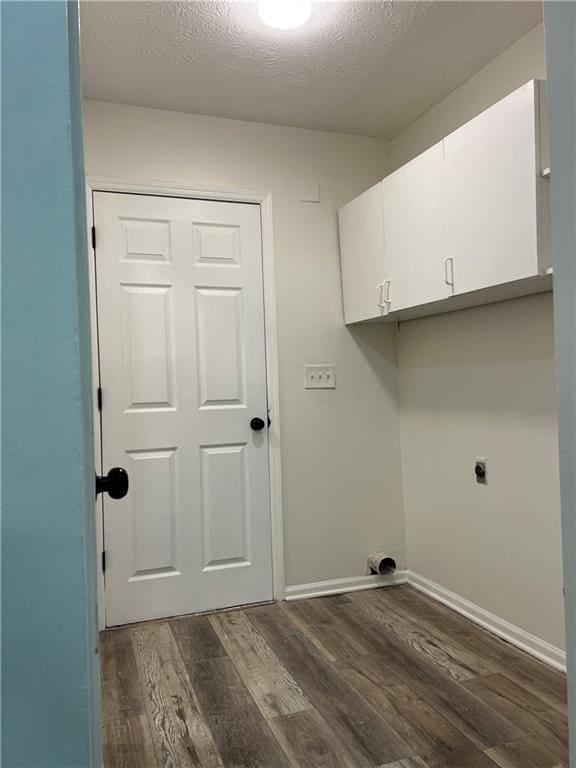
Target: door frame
(228, 195)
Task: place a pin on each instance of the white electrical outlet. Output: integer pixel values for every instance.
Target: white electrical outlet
(319, 377)
(480, 470)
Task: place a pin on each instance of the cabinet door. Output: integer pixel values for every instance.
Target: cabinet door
(414, 231)
(491, 188)
(362, 256)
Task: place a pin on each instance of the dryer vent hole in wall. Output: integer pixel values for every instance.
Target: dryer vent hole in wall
(381, 564)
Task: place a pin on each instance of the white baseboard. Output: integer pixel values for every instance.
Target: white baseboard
(533, 645)
(338, 586)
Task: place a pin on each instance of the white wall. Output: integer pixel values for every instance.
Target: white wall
(480, 382)
(341, 455)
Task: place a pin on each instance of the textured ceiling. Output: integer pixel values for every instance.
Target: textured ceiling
(364, 67)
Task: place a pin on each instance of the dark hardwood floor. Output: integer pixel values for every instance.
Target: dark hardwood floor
(382, 678)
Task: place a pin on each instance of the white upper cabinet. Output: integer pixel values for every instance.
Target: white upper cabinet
(364, 272)
(464, 223)
(414, 231)
(492, 194)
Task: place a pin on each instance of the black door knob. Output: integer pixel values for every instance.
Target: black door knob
(115, 483)
(257, 424)
(480, 470)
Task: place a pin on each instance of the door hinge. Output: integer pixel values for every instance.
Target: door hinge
(94, 238)
(99, 398)
(104, 561)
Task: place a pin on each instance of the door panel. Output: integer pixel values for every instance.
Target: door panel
(217, 244)
(225, 506)
(221, 364)
(414, 231)
(148, 354)
(491, 198)
(152, 510)
(145, 240)
(182, 352)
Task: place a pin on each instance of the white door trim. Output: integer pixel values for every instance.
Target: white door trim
(231, 195)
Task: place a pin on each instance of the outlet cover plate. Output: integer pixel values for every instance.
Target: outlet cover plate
(481, 461)
(319, 377)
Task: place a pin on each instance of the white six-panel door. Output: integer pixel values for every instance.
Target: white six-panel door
(183, 372)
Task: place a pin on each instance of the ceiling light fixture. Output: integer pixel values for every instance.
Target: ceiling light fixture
(284, 14)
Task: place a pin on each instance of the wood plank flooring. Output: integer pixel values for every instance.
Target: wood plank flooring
(385, 678)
